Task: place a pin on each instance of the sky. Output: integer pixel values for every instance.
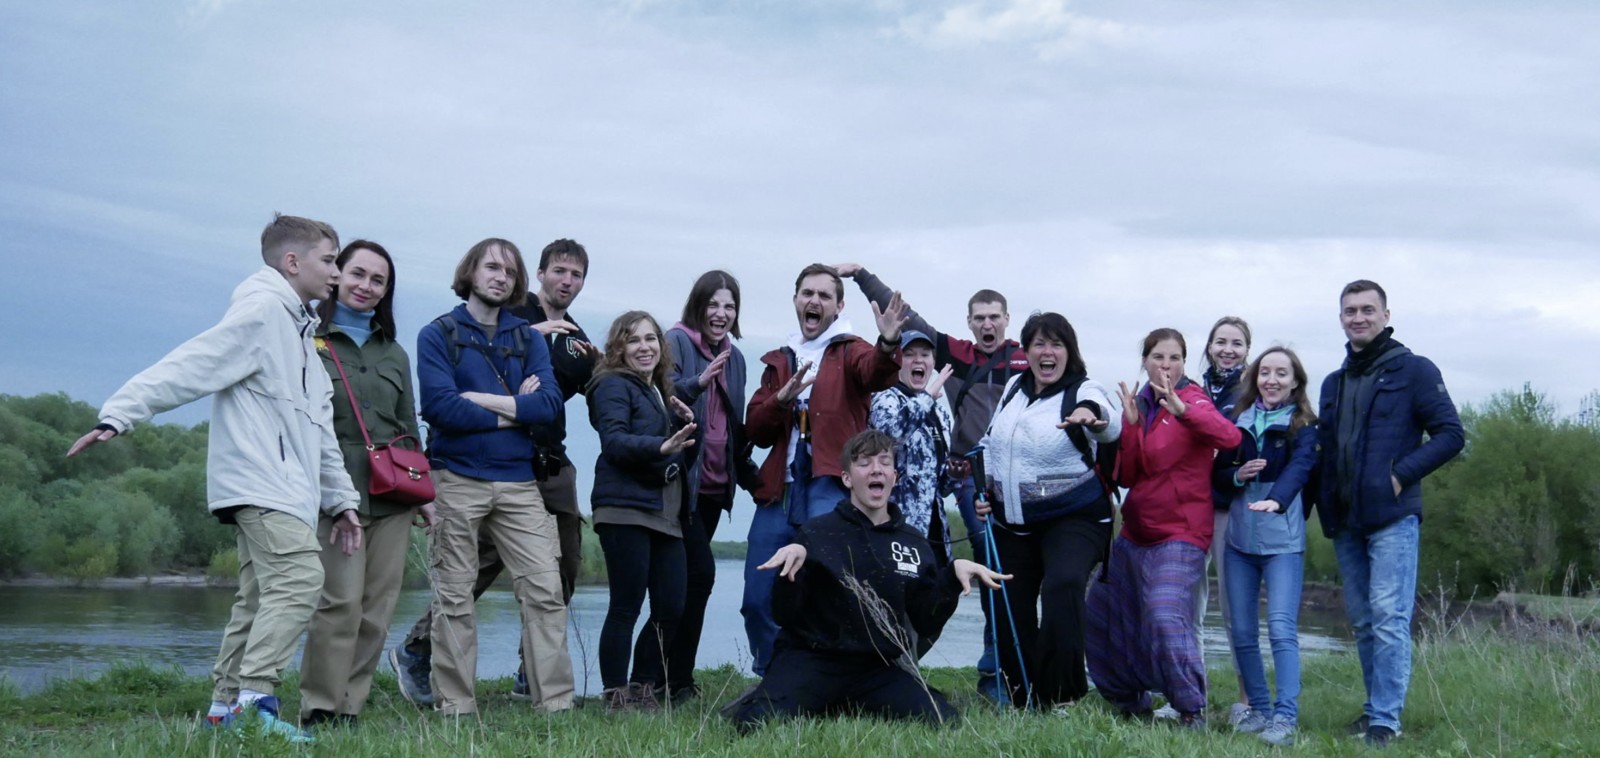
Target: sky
(1131, 165)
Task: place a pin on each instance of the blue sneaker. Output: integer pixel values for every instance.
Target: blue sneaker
(266, 710)
(412, 672)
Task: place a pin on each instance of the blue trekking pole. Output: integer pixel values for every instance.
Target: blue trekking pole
(992, 562)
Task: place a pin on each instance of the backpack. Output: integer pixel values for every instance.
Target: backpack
(1101, 458)
(454, 341)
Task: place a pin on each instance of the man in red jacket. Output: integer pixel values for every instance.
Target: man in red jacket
(815, 394)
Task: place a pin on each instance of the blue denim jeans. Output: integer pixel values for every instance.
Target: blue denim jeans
(1380, 590)
(769, 531)
(1283, 573)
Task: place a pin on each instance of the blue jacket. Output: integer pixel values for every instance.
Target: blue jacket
(1291, 457)
(633, 422)
(1225, 399)
(463, 437)
(1403, 396)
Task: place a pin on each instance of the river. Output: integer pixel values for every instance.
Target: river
(50, 632)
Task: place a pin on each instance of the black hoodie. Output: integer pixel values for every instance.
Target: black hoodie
(819, 612)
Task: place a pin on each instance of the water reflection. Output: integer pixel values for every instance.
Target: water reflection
(68, 632)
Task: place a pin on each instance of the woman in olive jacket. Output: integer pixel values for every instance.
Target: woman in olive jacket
(359, 591)
(641, 504)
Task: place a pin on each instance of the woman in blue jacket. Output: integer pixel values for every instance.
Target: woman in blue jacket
(641, 503)
(1266, 537)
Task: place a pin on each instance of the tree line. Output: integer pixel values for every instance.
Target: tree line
(1519, 508)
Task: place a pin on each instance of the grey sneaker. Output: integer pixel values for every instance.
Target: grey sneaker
(1253, 722)
(1236, 713)
(1280, 732)
(411, 672)
(1166, 713)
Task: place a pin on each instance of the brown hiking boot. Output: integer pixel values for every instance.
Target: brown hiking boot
(643, 696)
(618, 700)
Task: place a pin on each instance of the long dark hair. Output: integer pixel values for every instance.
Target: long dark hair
(694, 310)
(1250, 391)
(383, 313)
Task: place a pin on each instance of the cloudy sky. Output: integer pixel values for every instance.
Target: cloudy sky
(1130, 164)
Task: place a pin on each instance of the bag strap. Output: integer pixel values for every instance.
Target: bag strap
(1003, 353)
(350, 393)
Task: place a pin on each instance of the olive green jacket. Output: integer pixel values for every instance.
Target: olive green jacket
(380, 375)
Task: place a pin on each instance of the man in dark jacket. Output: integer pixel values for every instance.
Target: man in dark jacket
(814, 394)
(862, 594)
(1375, 410)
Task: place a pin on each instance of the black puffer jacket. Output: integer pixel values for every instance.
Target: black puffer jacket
(632, 422)
(819, 612)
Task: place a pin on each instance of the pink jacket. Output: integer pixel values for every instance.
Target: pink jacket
(1165, 462)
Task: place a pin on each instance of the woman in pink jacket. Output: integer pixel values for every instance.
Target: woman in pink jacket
(1142, 633)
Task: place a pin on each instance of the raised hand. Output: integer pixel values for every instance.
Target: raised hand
(678, 441)
(966, 571)
(796, 384)
(683, 411)
(588, 349)
(788, 559)
(1130, 405)
(847, 270)
(1168, 397)
(714, 367)
(936, 384)
(346, 532)
(555, 326)
(891, 317)
(1250, 469)
(94, 436)
(1083, 417)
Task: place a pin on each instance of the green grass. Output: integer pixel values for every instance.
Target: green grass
(1475, 691)
(1576, 611)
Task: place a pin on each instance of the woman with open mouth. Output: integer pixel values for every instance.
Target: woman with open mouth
(1142, 630)
(641, 504)
(1049, 512)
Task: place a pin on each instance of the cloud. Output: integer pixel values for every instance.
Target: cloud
(1047, 25)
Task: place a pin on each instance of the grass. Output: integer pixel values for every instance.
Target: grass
(1475, 691)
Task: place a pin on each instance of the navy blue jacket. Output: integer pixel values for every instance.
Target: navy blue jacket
(632, 423)
(1232, 387)
(463, 437)
(1407, 397)
(1290, 457)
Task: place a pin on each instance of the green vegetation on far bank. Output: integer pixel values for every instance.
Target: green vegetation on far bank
(1475, 691)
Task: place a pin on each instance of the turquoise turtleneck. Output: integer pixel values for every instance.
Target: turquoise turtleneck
(352, 322)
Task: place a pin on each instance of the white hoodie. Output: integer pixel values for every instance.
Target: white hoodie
(272, 443)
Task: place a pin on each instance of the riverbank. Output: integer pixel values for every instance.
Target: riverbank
(1476, 690)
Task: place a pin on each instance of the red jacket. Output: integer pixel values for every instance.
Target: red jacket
(1166, 466)
(850, 371)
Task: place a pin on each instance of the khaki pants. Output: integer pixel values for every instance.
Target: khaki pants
(514, 515)
(279, 578)
(351, 624)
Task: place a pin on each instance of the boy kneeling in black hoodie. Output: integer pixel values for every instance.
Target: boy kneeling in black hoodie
(864, 594)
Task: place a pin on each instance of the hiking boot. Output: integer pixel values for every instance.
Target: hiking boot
(519, 687)
(1236, 713)
(989, 687)
(617, 700)
(1358, 728)
(411, 671)
(1380, 736)
(1279, 733)
(1254, 722)
(673, 695)
(643, 695)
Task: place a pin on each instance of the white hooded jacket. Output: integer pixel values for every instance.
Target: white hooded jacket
(272, 443)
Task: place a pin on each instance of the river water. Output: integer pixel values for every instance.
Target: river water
(53, 632)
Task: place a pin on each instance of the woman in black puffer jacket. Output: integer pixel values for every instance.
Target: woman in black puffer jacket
(639, 501)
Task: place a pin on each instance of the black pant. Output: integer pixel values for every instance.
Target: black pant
(807, 683)
(1051, 562)
(702, 575)
(560, 494)
(639, 559)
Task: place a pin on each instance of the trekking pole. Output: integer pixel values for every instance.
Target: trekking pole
(1011, 616)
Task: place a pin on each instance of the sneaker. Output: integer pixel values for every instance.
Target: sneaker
(989, 687)
(1380, 736)
(617, 699)
(643, 695)
(1167, 713)
(519, 688)
(412, 672)
(732, 708)
(1192, 722)
(1254, 722)
(1358, 728)
(1279, 733)
(1236, 713)
(266, 711)
(224, 720)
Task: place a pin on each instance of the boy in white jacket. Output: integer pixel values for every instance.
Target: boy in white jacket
(272, 462)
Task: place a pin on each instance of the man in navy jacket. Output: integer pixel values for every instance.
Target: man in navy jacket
(485, 379)
(1375, 410)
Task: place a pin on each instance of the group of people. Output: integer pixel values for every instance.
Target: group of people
(850, 574)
